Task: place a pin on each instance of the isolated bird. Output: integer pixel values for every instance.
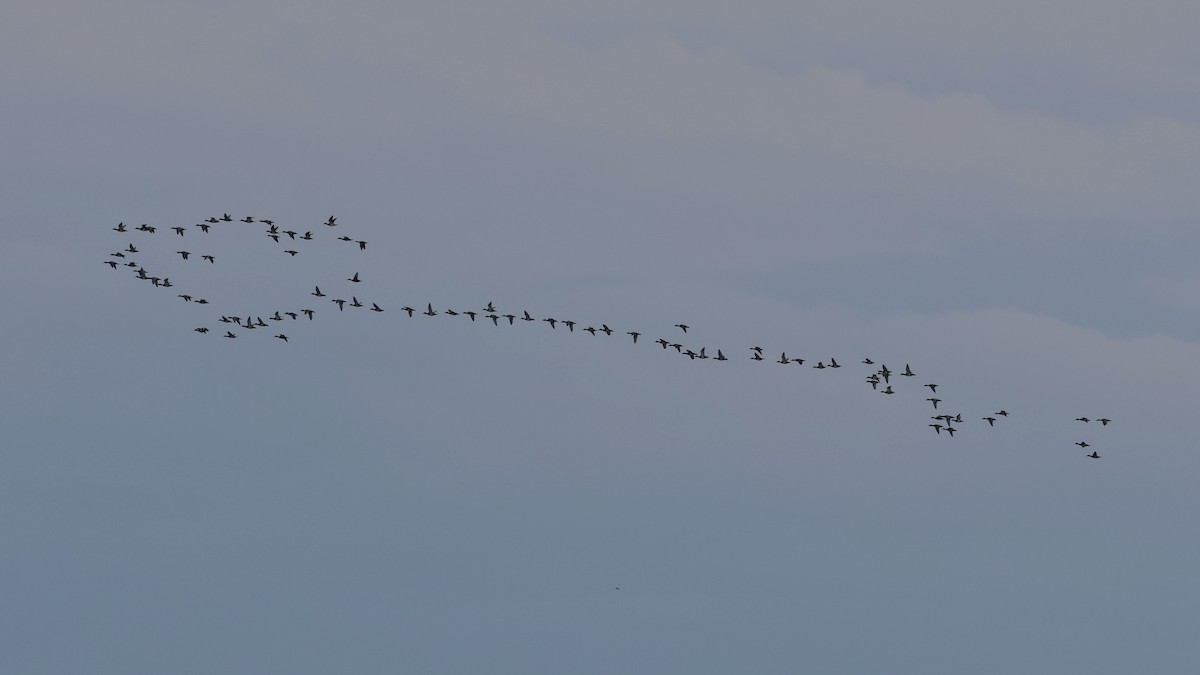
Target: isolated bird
(201, 329)
(682, 327)
(283, 337)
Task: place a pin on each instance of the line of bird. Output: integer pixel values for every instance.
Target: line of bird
(877, 377)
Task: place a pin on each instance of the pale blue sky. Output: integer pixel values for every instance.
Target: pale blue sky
(1004, 199)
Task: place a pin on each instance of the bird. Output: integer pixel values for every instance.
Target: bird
(408, 309)
(635, 335)
(495, 319)
(490, 308)
(344, 238)
(179, 230)
(318, 292)
(429, 309)
(551, 321)
(341, 304)
(307, 235)
(907, 371)
(932, 388)
(283, 337)
(605, 329)
(277, 316)
(1094, 455)
(308, 313)
(887, 374)
(471, 314)
(120, 228)
(820, 365)
(265, 222)
(290, 233)
(362, 245)
(833, 363)
(991, 421)
(951, 430)
(248, 219)
(662, 342)
(226, 217)
(888, 390)
(868, 362)
(591, 330)
(211, 219)
(527, 317)
(293, 315)
(510, 317)
(184, 254)
(273, 236)
(111, 263)
(756, 356)
(186, 298)
(1103, 421)
(783, 358)
(1082, 419)
(1082, 444)
(132, 249)
(201, 301)
(720, 356)
(800, 361)
(118, 254)
(209, 258)
(203, 227)
(1002, 413)
(376, 308)
(229, 334)
(756, 349)
(332, 222)
(937, 428)
(682, 327)
(201, 329)
(291, 253)
(354, 302)
(934, 401)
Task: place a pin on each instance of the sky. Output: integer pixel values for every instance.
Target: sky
(1002, 198)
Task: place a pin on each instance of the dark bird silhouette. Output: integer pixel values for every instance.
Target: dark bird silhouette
(833, 363)
(1082, 419)
(491, 309)
(290, 233)
(354, 278)
(495, 319)
(937, 428)
(362, 245)
(408, 309)
(868, 362)
(991, 421)
(429, 309)
(1082, 444)
(166, 282)
(341, 304)
(510, 317)
(783, 358)
(226, 217)
(203, 227)
(201, 330)
(1103, 421)
(344, 238)
(308, 313)
(635, 335)
(756, 356)
(662, 342)
(757, 349)
(248, 219)
(283, 337)
(179, 230)
(111, 263)
(907, 371)
(201, 301)
(264, 221)
(1002, 413)
(277, 316)
(527, 317)
(800, 361)
(318, 292)
(186, 298)
(184, 254)
(678, 347)
(211, 219)
(291, 253)
(951, 430)
(209, 258)
(885, 373)
(607, 331)
(720, 356)
(682, 327)
(120, 228)
(229, 334)
(450, 312)
(132, 249)
(332, 222)
(118, 254)
(293, 315)
(354, 302)
(888, 390)
(260, 322)
(591, 330)
(820, 365)
(551, 321)
(307, 236)
(932, 388)
(934, 401)
(1094, 455)
(570, 325)
(471, 314)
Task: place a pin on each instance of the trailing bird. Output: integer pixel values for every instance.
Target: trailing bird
(591, 330)
(682, 327)
(1082, 419)
(186, 298)
(362, 245)
(1103, 421)
(209, 258)
(1094, 455)
(888, 390)
(720, 356)
(951, 430)
(201, 329)
(283, 337)
(229, 334)
(318, 292)
(203, 227)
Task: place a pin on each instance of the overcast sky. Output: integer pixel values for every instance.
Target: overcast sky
(1003, 197)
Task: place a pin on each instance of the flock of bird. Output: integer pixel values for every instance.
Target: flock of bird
(879, 376)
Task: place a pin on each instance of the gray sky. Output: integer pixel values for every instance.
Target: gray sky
(1002, 197)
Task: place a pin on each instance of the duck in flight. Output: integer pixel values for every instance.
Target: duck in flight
(120, 228)
(341, 304)
(907, 371)
(429, 310)
(932, 388)
(318, 292)
(354, 278)
(179, 230)
(934, 401)
(635, 335)
(1082, 444)
(332, 222)
(184, 254)
(682, 327)
(283, 337)
(991, 421)
(1094, 455)
(209, 258)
